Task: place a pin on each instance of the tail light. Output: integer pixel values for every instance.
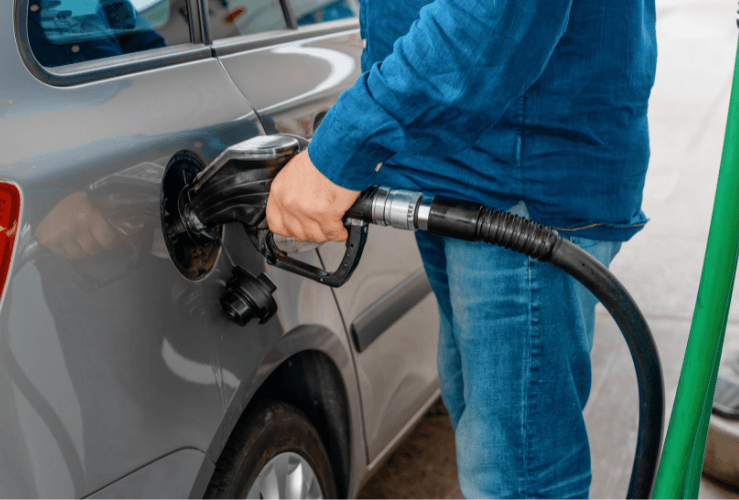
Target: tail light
(10, 206)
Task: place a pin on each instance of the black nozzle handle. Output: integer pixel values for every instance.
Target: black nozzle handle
(354, 247)
(362, 207)
(356, 221)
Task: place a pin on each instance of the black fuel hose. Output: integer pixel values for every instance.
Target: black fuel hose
(474, 222)
(617, 300)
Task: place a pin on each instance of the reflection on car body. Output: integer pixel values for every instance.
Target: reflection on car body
(62, 34)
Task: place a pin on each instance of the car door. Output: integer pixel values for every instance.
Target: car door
(106, 362)
(292, 72)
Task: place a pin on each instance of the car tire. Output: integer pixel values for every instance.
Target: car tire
(275, 453)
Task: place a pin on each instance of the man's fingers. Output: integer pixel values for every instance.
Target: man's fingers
(103, 233)
(88, 243)
(300, 228)
(305, 205)
(336, 231)
(55, 246)
(274, 219)
(293, 229)
(71, 250)
(314, 231)
(304, 229)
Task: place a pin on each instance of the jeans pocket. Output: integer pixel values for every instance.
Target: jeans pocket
(603, 250)
(584, 243)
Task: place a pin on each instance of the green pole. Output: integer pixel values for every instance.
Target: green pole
(693, 474)
(685, 442)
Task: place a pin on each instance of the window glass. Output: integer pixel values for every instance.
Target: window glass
(321, 11)
(71, 31)
(243, 17)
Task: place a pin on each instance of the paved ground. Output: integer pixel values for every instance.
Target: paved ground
(661, 266)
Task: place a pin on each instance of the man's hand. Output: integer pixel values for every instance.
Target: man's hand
(304, 205)
(75, 228)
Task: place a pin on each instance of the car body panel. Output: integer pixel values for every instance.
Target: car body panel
(296, 82)
(177, 475)
(107, 366)
(392, 390)
(116, 371)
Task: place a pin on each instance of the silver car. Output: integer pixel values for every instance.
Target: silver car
(120, 375)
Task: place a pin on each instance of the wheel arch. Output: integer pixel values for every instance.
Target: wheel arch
(310, 381)
(307, 368)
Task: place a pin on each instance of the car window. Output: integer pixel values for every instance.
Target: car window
(321, 11)
(244, 17)
(71, 31)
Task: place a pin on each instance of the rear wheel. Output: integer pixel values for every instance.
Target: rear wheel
(275, 453)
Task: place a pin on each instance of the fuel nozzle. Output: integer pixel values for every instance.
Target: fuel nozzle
(235, 186)
(197, 200)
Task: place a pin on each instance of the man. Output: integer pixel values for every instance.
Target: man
(534, 106)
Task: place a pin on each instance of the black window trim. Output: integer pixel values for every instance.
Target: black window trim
(75, 74)
(287, 8)
(243, 43)
(202, 6)
(195, 15)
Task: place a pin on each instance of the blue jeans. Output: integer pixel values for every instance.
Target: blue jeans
(514, 365)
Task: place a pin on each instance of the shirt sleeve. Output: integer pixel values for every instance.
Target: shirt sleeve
(447, 81)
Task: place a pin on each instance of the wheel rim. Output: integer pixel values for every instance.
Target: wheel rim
(287, 475)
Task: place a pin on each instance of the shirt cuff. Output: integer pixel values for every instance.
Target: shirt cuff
(342, 148)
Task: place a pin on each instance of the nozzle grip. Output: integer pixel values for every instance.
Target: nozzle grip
(354, 247)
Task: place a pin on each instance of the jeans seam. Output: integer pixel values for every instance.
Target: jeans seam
(521, 145)
(600, 224)
(534, 365)
(527, 374)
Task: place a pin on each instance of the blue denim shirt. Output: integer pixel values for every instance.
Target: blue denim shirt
(501, 101)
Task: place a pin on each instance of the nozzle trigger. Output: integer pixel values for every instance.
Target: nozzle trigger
(354, 247)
